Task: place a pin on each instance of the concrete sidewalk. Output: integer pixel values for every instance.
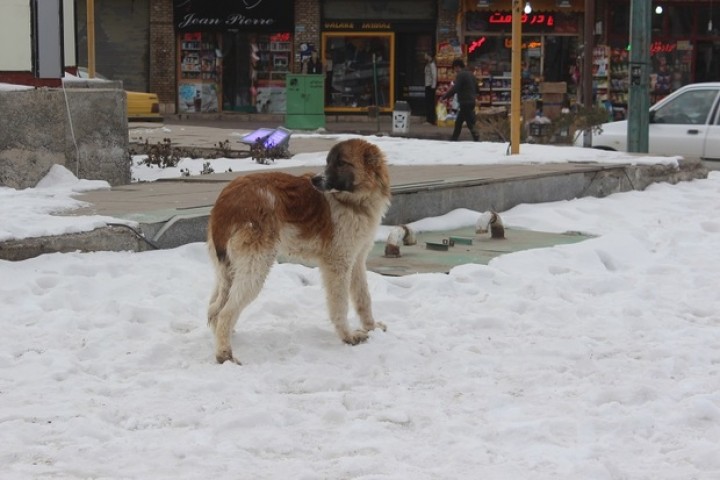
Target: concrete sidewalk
(206, 131)
(174, 212)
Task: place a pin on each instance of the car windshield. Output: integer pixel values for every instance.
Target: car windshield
(691, 107)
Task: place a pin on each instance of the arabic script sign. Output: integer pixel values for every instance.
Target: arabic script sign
(556, 22)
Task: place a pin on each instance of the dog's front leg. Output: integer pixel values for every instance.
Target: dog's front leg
(361, 295)
(336, 279)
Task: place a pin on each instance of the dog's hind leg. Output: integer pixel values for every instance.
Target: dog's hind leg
(360, 295)
(219, 297)
(248, 275)
(336, 279)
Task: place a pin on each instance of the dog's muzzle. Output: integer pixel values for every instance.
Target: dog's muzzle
(319, 182)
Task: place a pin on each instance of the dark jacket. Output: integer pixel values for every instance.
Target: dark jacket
(465, 86)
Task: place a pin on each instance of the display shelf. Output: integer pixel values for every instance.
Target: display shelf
(198, 58)
(198, 74)
(494, 90)
(619, 75)
(601, 72)
(447, 52)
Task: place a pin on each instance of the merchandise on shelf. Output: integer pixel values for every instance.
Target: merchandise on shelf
(199, 73)
(447, 52)
(601, 73)
(494, 90)
(619, 75)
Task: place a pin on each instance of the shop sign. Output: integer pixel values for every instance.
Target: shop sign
(529, 19)
(559, 23)
(662, 47)
(476, 44)
(359, 26)
(250, 15)
(530, 45)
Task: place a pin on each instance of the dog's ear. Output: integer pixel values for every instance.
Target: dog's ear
(372, 155)
(376, 164)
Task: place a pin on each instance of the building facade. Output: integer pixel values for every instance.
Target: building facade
(233, 56)
(22, 28)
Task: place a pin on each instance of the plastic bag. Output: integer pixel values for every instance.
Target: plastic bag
(441, 111)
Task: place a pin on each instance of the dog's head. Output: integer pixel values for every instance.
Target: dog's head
(354, 166)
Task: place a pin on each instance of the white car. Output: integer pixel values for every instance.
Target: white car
(685, 123)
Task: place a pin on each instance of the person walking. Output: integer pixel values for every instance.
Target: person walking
(430, 87)
(465, 86)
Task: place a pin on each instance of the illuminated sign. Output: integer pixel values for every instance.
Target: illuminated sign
(660, 47)
(531, 45)
(476, 44)
(280, 37)
(529, 19)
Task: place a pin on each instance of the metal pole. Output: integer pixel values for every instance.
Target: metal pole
(516, 68)
(587, 66)
(91, 38)
(375, 83)
(639, 91)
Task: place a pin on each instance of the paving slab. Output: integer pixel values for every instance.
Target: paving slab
(420, 258)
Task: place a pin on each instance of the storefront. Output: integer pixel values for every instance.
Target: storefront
(550, 39)
(233, 56)
(373, 52)
(684, 48)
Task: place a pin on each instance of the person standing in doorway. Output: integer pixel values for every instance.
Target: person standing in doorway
(312, 65)
(466, 88)
(430, 87)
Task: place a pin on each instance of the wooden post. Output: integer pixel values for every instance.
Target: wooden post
(516, 83)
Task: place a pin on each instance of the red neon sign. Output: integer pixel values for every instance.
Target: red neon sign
(280, 37)
(476, 44)
(532, 19)
(660, 47)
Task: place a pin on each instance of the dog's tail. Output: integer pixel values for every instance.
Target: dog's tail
(223, 281)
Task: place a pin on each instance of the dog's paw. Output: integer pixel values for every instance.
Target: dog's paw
(381, 326)
(374, 325)
(358, 336)
(226, 355)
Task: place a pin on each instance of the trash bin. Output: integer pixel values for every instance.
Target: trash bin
(539, 128)
(401, 117)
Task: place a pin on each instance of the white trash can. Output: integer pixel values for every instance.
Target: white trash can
(401, 117)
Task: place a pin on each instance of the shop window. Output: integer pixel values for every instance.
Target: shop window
(490, 55)
(708, 19)
(359, 69)
(254, 71)
(680, 20)
(200, 60)
(619, 20)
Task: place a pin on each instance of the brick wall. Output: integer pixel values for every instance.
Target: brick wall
(307, 17)
(162, 54)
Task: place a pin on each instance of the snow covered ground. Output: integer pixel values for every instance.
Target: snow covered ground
(597, 360)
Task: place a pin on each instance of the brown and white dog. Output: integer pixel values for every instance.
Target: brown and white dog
(329, 218)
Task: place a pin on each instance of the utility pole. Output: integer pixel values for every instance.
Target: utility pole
(639, 91)
(587, 66)
(516, 82)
